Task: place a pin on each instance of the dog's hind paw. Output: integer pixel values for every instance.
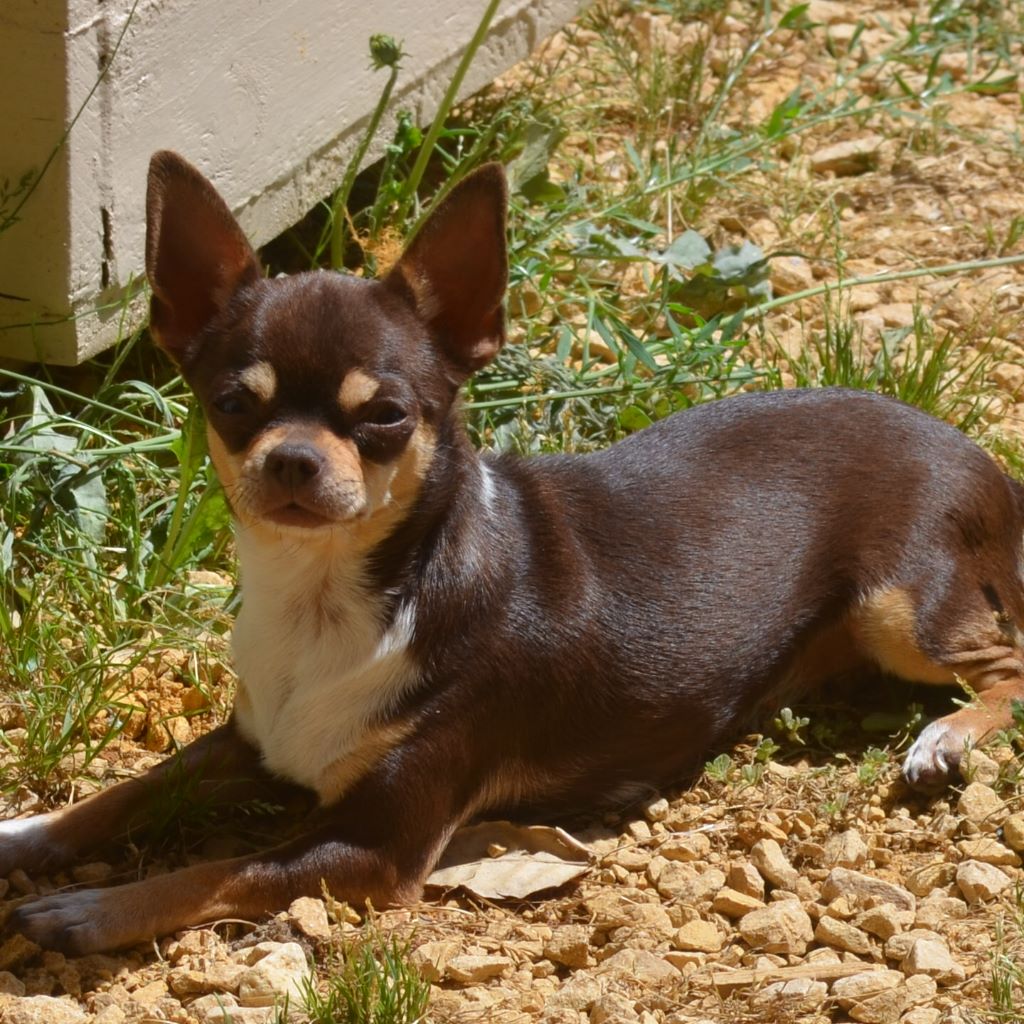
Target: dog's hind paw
(935, 756)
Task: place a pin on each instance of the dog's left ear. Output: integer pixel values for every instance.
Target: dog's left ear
(456, 268)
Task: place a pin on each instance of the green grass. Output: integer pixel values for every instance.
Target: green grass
(371, 981)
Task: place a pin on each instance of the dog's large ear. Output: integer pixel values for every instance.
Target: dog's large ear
(456, 268)
(196, 254)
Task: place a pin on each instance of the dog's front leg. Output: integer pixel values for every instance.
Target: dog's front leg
(51, 841)
(378, 843)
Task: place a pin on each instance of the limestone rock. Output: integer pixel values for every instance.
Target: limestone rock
(698, 936)
(1013, 832)
(746, 879)
(884, 921)
(930, 876)
(679, 882)
(931, 957)
(613, 1008)
(937, 909)
(898, 947)
(217, 977)
(44, 1010)
(977, 766)
(276, 969)
(569, 946)
(431, 958)
(734, 904)
(865, 889)
(854, 156)
(639, 964)
(783, 927)
(846, 849)
(689, 846)
(842, 935)
(980, 882)
(799, 995)
(11, 985)
(982, 806)
(988, 851)
(469, 968)
(858, 987)
(773, 865)
(309, 916)
(580, 992)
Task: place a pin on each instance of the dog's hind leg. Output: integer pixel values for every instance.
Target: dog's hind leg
(959, 632)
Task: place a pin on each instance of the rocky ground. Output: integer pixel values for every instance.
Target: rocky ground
(781, 887)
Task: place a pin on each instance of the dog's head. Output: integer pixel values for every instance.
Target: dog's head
(324, 393)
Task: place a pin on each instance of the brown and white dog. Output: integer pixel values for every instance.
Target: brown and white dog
(428, 633)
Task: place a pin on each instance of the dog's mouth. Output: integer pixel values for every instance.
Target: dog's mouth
(297, 516)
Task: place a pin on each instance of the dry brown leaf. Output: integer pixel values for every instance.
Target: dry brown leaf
(535, 858)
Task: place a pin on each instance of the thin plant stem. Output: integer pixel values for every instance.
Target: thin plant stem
(412, 183)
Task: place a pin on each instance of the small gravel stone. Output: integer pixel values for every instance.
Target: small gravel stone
(932, 957)
(773, 865)
(935, 911)
(854, 156)
(687, 847)
(980, 805)
(656, 810)
(783, 927)
(746, 879)
(899, 946)
(858, 987)
(930, 876)
(309, 916)
(613, 1008)
(698, 936)
(799, 994)
(431, 958)
(842, 935)
(10, 985)
(1013, 832)
(862, 888)
(471, 969)
(569, 946)
(92, 874)
(980, 882)
(977, 766)
(884, 921)
(276, 969)
(44, 1010)
(988, 851)
(845, 850)
(734, 904)
(639, 964)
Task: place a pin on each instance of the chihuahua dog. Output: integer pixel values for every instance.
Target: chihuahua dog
(428, 633)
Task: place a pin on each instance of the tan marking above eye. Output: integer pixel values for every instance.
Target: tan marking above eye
(260, 379)
(356, 389)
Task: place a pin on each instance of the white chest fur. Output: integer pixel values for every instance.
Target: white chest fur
(317, 668)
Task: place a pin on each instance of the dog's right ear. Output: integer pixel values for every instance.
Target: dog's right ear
(197, 256)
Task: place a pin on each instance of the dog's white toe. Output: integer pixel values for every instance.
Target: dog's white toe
(935, 755)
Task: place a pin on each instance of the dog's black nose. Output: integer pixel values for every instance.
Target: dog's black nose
(294, 463)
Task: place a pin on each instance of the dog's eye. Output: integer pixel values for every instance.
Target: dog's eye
(384, 414)
(233, 403)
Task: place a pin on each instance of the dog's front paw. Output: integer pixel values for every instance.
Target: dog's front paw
(77, 923)
(935, 756)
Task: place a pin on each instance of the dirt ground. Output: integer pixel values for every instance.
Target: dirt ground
(792, 890)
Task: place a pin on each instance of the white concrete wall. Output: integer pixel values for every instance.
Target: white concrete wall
(268, 97)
